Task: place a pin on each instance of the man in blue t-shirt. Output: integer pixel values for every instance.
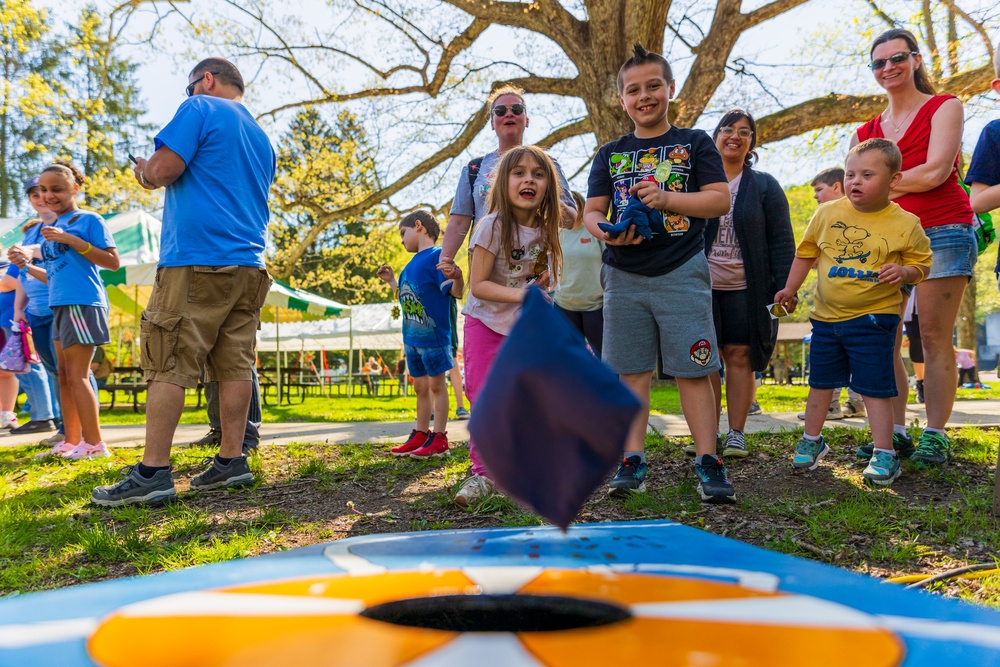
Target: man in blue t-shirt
(217, 165)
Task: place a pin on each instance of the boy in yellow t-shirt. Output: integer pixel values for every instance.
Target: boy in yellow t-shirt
(867, 246)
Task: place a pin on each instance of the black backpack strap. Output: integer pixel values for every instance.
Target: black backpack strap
(474, 165)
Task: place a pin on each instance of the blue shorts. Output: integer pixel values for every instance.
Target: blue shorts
(955, 250)
(857, 353)
(427, 360)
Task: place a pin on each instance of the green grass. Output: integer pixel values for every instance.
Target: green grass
(664, 399)
(930, 520)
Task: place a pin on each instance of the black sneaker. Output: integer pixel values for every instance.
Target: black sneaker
(213, 437)
(736, 445)
(136, 489)
(714, 486)
(903, 444)
(236, 473)
(35, 426)
(631, 476)
(932, 448)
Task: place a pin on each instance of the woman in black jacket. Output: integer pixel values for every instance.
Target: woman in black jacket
(749, 254)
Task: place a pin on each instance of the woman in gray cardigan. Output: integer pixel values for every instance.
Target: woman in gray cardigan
(749, 253)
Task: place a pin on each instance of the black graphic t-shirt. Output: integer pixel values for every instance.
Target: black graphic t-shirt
(620, 164)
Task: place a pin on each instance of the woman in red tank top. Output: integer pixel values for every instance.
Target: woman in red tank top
(928, 130)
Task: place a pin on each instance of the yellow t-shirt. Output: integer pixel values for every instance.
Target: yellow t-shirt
(851, 247)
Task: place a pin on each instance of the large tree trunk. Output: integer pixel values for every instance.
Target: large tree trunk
(620, 25)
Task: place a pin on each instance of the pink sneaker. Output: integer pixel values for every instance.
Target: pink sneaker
(58, 449)
(85, 450)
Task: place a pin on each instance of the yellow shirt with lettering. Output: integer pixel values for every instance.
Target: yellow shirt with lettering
(851, 247)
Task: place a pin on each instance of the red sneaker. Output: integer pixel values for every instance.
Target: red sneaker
(437, 445)
(416, 440)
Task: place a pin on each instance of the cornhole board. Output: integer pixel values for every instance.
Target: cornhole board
(652, 593)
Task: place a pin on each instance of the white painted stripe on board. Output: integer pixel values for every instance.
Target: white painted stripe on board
(23, 635)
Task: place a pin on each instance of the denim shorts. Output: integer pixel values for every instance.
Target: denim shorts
(857, 353)
(955, 250)
(428, 360)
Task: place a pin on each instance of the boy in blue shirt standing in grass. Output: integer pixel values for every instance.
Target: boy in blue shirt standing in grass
(424, 287)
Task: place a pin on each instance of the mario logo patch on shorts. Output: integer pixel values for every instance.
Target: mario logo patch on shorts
(701, 352)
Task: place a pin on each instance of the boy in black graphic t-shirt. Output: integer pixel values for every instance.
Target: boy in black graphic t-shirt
(658, 291)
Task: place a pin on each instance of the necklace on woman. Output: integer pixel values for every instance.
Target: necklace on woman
(903, 122)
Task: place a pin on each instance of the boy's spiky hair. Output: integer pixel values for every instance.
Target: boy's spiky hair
(890, 152)
(640, 56)
(830, 177)
(425, 218)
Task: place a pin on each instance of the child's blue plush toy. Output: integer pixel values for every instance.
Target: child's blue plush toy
(645, 219)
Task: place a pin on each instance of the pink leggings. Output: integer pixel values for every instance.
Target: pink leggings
(481, 347)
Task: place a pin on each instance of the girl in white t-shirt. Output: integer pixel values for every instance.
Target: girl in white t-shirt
(515, 246)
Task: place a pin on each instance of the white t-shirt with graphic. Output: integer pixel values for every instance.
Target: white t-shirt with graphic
(525, 263)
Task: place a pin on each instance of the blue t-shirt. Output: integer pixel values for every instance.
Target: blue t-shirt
(7, 298)
(985, 165)
(36, 291)
(216, 213)
(73, 279)
(424, 301)
(694, 163)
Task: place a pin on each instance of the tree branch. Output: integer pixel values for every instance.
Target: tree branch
(574, 129)
(846, 109)
(545, 17)
(978, 27)
(882, 15)
(769, 11)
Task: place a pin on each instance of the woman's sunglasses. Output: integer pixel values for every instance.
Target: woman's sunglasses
(895, 59)
(501, 109)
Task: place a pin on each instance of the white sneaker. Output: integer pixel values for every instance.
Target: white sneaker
(61, 448)
(474, 489)
(85, 450)
(8, 419)
(831, 413)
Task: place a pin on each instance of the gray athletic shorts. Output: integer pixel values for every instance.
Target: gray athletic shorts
(672, 310)
(80, 325)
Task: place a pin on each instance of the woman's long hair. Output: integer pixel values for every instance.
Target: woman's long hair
(731, 117)
(548, 213)
(920, 78)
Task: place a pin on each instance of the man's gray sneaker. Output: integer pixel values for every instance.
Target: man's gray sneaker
(236, 473)
(135, 489)
(736, 445)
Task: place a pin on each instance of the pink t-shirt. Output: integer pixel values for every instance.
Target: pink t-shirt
(725, 260)
(518, 271)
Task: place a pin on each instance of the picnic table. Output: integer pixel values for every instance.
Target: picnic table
(129, 380)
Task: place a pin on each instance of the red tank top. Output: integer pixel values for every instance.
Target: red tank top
(947, 204)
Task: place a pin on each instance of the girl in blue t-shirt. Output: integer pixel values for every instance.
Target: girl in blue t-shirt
(75, 247)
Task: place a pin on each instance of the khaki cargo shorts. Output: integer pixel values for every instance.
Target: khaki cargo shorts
(202, 316)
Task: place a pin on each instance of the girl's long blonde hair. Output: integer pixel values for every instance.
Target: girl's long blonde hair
(548, 213)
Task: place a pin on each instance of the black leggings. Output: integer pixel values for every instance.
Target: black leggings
(590, 323)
